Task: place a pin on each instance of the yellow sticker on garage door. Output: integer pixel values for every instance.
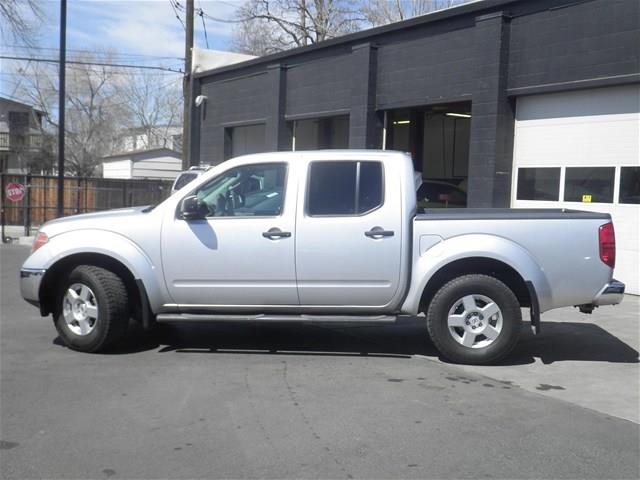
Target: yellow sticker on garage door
(586, 198)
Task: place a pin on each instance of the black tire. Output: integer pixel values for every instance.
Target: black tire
(450, 296)
(109, 298)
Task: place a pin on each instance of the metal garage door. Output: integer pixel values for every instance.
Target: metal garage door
(580, 150)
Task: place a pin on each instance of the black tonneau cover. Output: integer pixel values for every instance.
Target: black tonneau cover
(506, 214)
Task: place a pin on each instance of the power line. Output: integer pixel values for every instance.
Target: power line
(25, 72)
(222, 20)
(102, 64)
(176, 12)
(209, 17)
(206, 38)
(96, 52)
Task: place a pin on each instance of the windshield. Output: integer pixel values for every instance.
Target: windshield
(183, 179)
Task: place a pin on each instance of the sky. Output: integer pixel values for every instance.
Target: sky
(129, 27)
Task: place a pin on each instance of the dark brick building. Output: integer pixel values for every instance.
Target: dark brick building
(477, 59)
(500, 102)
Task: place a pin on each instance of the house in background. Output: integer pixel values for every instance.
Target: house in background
(147, 138)
(20, 134)
(154, 163)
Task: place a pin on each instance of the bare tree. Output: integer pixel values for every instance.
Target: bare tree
(103, 104)
(93, 110)
(154, 109)
(19, 20)
(382, 12)
(269, 26)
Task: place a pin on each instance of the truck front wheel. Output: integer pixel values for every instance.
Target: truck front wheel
(91, 312)
(474, 319)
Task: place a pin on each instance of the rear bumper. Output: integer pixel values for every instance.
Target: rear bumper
(611, 294)
(30, 279)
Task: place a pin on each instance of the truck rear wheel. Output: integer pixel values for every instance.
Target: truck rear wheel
(92, 311)
(474, 319)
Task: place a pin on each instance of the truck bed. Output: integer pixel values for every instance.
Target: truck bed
(565, 252)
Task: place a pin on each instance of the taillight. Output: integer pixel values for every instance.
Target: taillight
(40, 240)
(607, 240)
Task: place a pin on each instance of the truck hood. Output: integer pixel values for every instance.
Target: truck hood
(115, 220)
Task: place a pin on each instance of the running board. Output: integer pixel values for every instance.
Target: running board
(195, 317)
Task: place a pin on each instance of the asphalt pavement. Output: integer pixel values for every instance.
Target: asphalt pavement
(296, 401)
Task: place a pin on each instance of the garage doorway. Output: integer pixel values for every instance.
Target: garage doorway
(320, 133)
(244, 139)
(438, 139)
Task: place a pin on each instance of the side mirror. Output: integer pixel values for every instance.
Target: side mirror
(192, 208)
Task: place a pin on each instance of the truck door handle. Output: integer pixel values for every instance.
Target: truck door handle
(377, 232)
(275, 233)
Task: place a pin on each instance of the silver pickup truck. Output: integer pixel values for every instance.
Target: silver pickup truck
(324, 236)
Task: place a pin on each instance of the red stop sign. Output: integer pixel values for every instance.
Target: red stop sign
(15, 191)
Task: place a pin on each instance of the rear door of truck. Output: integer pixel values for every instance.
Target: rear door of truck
(348, 233)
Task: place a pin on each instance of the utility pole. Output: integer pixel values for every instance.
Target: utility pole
(61, 102)
(186, 88)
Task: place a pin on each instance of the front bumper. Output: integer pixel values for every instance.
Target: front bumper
(30, 279)
(611, 294)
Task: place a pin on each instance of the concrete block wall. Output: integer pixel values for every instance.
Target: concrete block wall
(487, 52)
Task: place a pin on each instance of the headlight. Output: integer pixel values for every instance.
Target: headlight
(41, 239)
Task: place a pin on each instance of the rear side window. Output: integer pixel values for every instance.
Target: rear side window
(538, 184)
(589, 184)
(344, 188)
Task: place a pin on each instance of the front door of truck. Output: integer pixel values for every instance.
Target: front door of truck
(242, 253)
(349, 235)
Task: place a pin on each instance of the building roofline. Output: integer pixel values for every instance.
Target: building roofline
(467, 8)
(110, 158)
(18, 102)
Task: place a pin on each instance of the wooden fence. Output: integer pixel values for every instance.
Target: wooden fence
(81, 195)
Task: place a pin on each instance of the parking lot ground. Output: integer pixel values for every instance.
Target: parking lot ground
(251, 401)
(588, 360)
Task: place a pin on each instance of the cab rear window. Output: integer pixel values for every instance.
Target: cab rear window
(344, 188)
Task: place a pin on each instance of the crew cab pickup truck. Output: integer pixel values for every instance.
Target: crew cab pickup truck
(323, 236)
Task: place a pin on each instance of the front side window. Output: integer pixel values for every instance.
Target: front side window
(344, 188)
(589, 184)
(538, 184)
(247, 191)
(629, 185)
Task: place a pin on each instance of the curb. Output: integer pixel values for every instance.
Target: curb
(26, 240)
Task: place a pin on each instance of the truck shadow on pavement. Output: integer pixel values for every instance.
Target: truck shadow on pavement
(558, 341)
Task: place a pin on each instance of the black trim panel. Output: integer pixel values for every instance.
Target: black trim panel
(534, 308)
(509, 214)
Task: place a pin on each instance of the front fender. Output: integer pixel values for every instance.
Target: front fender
(106, 243)
(469, 246)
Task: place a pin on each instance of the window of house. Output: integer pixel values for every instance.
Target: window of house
(18, 120)
(344, 188)
(629, 185)
(247, 191)
(589, 184)
(538, 184)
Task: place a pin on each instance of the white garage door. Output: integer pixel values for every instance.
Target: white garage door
(581, 150)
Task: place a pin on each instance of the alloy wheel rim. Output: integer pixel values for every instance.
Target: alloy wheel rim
(475, 321)
(80, 309)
